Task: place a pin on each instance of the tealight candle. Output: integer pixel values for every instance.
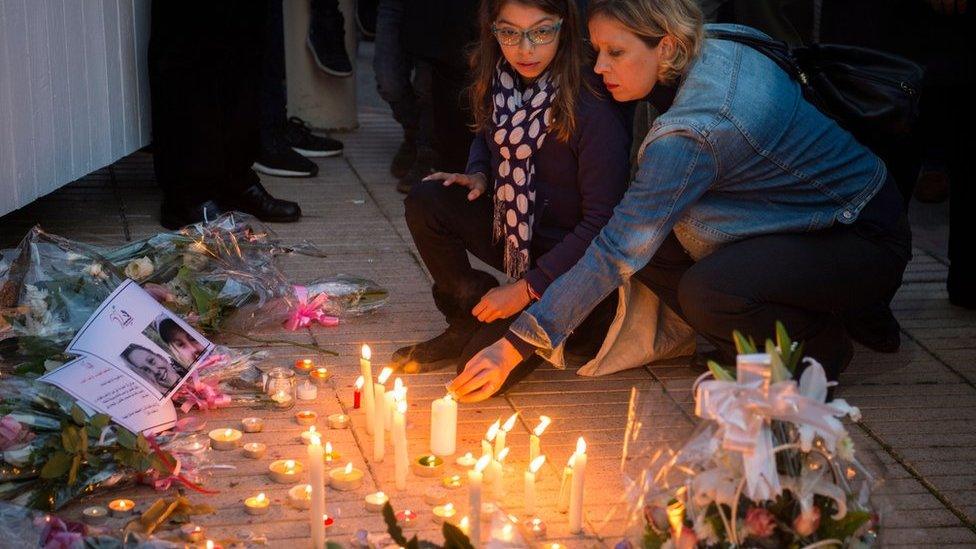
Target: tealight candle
(536, 526)
(435, 495)
(345, 478)
(285, 471)
(320, 376)
(304, 365)
(406, 517)
(338, 421)
(452, 482)
(307, 390)
(306, 417)
(329, 454)
(428, 466)
(94, 515)
(327, 521)
(300, 496)
(444, 513)
(467, 460)
(255, 450)
(252, 424)
(121, 507)
(307, 435)
(225, 439)
(282, 399)
(257, 505)
(192, 532)
(376, 501)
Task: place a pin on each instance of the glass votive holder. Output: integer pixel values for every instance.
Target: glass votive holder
(280, 386)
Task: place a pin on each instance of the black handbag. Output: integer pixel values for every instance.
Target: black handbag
(872, 94)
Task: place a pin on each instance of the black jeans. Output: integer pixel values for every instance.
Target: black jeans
(445, 226)
(204, 79)
(805, 281)
(274, 102)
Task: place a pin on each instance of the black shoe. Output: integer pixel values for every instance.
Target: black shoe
(277, 158)
(962, 288)
(257, 201)
(366, 17)
(176, 215)
(422, 167)
(327, 39)
(875, 327)
(435, 353)
(299, 137)
(404, 158)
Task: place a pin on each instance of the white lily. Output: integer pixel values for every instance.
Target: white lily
(813, 385)
(813, 482)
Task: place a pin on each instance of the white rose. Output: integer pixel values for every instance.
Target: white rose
(95, 271)
(139, 269)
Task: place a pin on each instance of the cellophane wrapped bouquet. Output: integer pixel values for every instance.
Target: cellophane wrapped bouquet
(770, 464)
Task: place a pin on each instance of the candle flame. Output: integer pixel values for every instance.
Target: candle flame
(380, 495)
(537, 464)
(348, 468)
(503, 454)
(328, 447)
(210, 544)
(228, 433)
(400, 393)
(431, 460)
(290, 464)
(510, 422)
(448, 398)
(367, 352)
(397, 385)
(261, 497)
(308, 489)
(360, 381)
(580, 446)
(507, 531)
(322, 371)
(384, 375)
(402, 407)
(464, 523)
(544, 422)
(448, 507)
(493, 431)
(314, 440)
(311, 429)
(482, 463)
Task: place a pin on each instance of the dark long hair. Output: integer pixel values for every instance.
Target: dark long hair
(566, 67)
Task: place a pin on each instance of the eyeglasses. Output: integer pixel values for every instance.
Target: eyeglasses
(541, 35)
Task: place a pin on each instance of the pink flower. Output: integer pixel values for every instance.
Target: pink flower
(807, 522)
(12, 433)
(160, 293)
(760, 523)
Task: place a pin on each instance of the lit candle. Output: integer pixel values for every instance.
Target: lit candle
(443, 426)
(389, 406)
(562, 503)
(320, 376)
(367, 370)
(357, 393)
(406, 517)
(282, 399)
(252, 424)
(316, 478)
(379, 415)
(95, 514)
(536, 527)
(475, 479)
(676, 518)
(338, 421)
(257, 505)
(467, 460)
(307, 390)
(534, 443)
(490, 437)
(530, 484)
(303, 365)
(327, 521)
(400, 451)
(307, 435)
(192, 532)
(225, 439)
(498, 475)
(285, 471)
(576, 494)
(452, 482)
(121, 507)
(428, 466)
(346, 478)
(300, 496)
(376, 501)
(500, 439)
(255, 450)
(465, 525)
(444, 513)
(306, 417)
(330, 455)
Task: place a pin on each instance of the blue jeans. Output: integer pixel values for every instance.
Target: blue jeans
(403, 82)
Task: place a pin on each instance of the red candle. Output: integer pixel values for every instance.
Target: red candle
(357, 394)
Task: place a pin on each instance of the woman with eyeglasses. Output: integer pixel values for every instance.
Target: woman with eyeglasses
(547, 166)
(749, 205)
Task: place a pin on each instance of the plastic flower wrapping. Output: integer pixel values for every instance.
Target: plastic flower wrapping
(769, 464)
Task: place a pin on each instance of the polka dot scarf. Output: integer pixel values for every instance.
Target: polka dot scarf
(521, 119)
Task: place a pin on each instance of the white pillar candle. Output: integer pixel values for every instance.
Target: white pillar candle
(367, 370)
(316, 477)
(307, 390)
(443, 426)
(379, 415)
(534, 438)
(498, 475)
(530, 484)
(562, 503)
(475, 478)
(501, 438)
(400, 450)
(389, 406)
(576, 493)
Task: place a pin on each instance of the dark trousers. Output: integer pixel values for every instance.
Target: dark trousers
(204, 81)
(401, 80)
(445, 226)
(450, 115)
(274, 100)
(807, 281)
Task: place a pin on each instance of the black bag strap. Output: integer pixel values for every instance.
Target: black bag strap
(779, 52)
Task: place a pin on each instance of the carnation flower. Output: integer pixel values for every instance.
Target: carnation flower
(139, 269)
(807, 522)
(12, 433)
(760, 523)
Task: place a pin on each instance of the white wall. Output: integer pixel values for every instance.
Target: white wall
(74, 91)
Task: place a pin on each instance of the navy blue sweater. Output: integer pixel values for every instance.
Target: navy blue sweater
(578, 183)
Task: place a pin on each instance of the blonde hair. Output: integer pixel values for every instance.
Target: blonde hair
(652, 21)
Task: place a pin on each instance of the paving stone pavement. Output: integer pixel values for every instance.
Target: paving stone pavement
(919, 404)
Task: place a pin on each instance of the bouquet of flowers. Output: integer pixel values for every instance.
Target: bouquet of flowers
(770, 466)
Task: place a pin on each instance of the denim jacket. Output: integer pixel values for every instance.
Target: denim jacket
(740, 153)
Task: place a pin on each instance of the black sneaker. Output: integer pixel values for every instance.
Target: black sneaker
(327, 39)
(422, 167)
(299, 137)
(875, 327)
(404, 158)
(277, 158)
(366, 17)
(435, 353)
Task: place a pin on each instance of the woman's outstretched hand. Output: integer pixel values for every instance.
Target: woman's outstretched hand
(476, 183)
(502, 302)
(485, 373)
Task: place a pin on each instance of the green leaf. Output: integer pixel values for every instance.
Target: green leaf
(71, 439)
(743, 346)
(126, 439)
(57, 464)
(782, 338)
(652, 540)
(843, 528)
(73, 472)
(720, 373)
(778, 370)
(78, 415)
(392, 528)
(796, 357)
(100, 421)
(454, 538)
